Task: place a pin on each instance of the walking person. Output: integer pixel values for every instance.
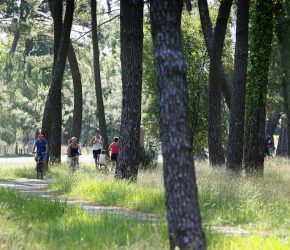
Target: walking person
(114, 149)
(97, 142)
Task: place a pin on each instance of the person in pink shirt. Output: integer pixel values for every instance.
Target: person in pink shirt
(114, 148)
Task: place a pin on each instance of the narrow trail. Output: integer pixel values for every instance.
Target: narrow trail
(39, 188)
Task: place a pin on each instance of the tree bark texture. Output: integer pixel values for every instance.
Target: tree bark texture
(286, 109)
(131, 24)
(208, 36)
(237, 111)
(56, 8)
(260, 53)
(53, 102)
(183, 215)
(215, 145)
(78, 94)
(98, 85)
(283, 35)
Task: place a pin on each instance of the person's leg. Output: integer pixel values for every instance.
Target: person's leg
(45, 162)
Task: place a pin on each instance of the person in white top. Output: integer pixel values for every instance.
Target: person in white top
(97, 142)
(102, 161)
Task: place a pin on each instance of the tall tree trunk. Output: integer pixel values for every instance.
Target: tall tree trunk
(98, 85)
(53, 101)
(283, 35)
(183, 215)
(131, 24)
(208, 36)
(260, 53)
(78, 95)
(56, 8)
(286, 109)
(237, 111)
(16, 37)
(15, 41)
(215, 145)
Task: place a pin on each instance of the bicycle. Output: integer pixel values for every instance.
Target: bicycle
(39, 167)
(73, 162)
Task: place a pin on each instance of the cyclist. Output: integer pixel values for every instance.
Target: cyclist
(74, 150)
(41, 146)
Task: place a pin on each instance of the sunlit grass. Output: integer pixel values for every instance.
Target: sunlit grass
(259, 205)
(41, 224)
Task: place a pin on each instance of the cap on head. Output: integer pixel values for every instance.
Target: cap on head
(97, 131)
(74, 139)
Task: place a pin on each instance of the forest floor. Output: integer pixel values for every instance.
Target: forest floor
(237, 214)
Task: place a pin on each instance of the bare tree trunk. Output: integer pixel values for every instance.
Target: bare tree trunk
(53, 101)
(78, 95)
(215, 145)
(56, 8)
(287, 109)
(283, 35)
(131, 24)
(208, 36)
(237, 111)
(183, 215)
(98, 85)
(15, 41)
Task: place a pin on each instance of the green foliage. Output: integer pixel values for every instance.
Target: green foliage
(260, 55)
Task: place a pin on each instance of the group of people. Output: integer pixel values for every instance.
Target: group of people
(99, 153)
(74, 150)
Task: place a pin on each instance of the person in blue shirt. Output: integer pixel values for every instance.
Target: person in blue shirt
(41, 146)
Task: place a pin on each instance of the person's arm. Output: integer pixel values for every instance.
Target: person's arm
(33, 148)
(93, 140)
(46, 148)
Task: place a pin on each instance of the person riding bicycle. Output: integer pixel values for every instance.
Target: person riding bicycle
(41, 146)
(269, 146)
(74, 150)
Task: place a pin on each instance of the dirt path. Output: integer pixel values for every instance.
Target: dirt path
(39, 188)
(29, 161)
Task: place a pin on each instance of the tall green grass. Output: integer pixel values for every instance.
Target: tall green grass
(31, 223)
(260, 205)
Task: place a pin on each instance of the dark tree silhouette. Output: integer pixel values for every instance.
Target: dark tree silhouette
(98, 85)
(53, 107)
(208, 36)
(78, 94)
(283, 35)
(131, 24)
(183, 216)
(215, 145)
(237, 111)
